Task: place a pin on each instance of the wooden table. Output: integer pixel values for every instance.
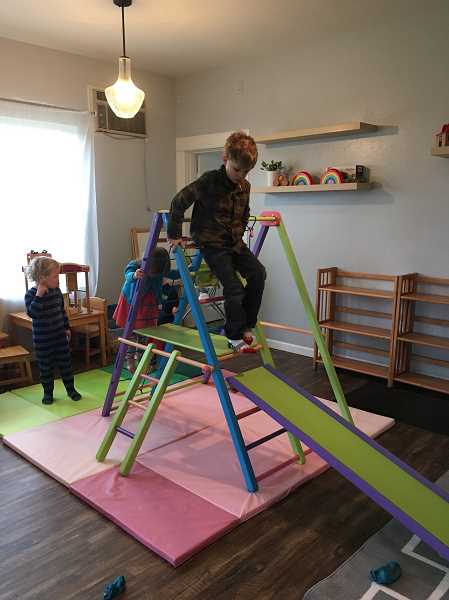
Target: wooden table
(21, 319)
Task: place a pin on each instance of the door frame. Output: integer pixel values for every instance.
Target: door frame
(187, 150)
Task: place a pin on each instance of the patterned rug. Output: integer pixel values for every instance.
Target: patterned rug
(425, 575)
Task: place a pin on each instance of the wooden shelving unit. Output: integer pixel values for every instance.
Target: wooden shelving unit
(296, 135)
(318, 187)
(442, 152)
(415, 289)
(334, 288)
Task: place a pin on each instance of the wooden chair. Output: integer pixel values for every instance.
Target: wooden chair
(92, 331)
(4, 339)
(20, 358)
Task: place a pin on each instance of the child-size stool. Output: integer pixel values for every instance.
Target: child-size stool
(19, 356)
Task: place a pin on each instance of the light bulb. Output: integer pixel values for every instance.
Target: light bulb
(124, 97)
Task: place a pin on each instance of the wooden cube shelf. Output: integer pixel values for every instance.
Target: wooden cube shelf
(334, 287)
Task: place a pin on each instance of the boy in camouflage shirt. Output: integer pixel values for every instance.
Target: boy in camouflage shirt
(220, 215)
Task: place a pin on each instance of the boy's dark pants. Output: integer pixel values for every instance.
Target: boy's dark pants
(242, 304)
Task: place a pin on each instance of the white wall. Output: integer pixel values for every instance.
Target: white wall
(37, 74)
(395, 75)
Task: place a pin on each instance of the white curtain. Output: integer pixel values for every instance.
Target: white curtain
(47, 193)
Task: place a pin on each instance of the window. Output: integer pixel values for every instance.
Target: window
(46, 191)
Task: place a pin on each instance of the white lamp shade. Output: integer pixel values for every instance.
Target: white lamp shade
(124, 98)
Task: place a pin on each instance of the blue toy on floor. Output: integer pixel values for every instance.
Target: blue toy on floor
(387, 574)
(114, 588)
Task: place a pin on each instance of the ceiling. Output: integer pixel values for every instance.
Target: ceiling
(180, 37)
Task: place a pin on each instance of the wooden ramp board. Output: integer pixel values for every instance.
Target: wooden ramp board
(184, 337)
(418, 504)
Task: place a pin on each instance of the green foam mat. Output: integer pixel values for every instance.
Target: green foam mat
(125, 375)
(16, 414)
(92, 385)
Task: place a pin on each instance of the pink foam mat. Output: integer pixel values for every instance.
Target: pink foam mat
(187, 466)
(205, 463)
(67, 449)
(163, 516)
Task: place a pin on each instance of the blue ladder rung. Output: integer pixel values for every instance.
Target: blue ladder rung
(125, 432)
(264, 439)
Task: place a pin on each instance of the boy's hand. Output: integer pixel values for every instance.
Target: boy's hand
(68, 334)
(139, 274)
(42, 288)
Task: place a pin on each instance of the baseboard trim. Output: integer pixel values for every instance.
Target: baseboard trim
(294, 348)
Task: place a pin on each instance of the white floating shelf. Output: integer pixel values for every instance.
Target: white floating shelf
(443, 152)
(298, 189)
(316, 132)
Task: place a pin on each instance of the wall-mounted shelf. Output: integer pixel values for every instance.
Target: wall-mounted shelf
(443, 152)
(298, 189)
(316, 133)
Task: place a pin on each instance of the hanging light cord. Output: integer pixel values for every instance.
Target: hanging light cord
(123, 29)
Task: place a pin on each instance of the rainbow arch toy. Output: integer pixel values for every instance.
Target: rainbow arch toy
(332, 177)
(301, 178)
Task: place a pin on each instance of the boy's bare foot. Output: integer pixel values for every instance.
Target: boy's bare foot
(248, 337)
(241, 346)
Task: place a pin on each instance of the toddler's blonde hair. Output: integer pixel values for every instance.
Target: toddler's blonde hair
(39, 267)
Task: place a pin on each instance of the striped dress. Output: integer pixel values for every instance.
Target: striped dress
(50, 324)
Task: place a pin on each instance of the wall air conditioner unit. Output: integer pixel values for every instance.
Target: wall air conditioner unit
(108, 122)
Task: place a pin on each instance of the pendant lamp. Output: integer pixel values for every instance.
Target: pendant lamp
(124, 98)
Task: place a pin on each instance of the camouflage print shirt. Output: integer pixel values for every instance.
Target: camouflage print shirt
(220, 210)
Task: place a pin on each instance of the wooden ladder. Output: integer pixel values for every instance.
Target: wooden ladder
(154, 398)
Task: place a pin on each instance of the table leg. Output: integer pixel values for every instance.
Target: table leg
(28, 372)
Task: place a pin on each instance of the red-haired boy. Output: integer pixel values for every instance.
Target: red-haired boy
(220, 200)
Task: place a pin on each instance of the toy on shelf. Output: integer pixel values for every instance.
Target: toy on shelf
(350, 174)
(332, 176)
(73, 295)
(280, 178)
(301, 178)
(442, 137)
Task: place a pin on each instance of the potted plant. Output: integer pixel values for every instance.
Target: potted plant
(271, 168)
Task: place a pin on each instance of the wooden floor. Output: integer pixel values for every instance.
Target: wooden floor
(54, 547)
